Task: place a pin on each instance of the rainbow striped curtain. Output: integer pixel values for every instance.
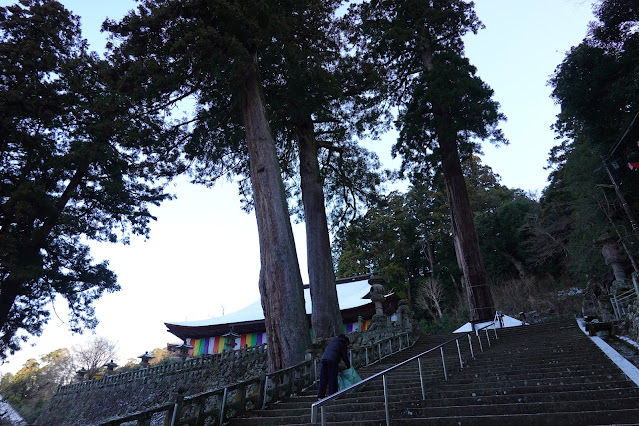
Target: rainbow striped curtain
(349, 328)
(215, 345)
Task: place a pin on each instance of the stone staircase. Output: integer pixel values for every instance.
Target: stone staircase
(548, 374)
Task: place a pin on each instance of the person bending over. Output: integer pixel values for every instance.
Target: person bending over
(334, 352)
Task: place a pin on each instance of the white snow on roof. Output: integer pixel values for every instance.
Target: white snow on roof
(508, 322)
(350, 295)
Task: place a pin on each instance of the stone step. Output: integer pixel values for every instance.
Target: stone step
(306, 401)
(476, 390)
(559, 381)
(472, 373)
(599, 394)
(424, 411)
(573, 418)
(482, 391)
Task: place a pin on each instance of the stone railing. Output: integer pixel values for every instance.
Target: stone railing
(216, 406)
(192, 366)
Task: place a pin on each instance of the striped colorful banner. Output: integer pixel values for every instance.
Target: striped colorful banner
(215, 345)
(354, 326)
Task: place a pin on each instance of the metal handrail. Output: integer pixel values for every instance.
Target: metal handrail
(617, 301)
(320, 404)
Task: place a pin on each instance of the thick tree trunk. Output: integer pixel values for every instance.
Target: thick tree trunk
(431, 257)
(280, 280)
(8, 295)
(326, 319)
(465, 235)
(409, 293)
(11, 285)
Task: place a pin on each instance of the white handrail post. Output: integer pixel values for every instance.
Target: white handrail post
(470, 343)
(444, 363)
(461, 363)
(386, 401)
(481, 347)
(487, 337)
(323, 416)
(314, 414)
(421, 378)
(265, 391)
(615, 307)
(223, 404)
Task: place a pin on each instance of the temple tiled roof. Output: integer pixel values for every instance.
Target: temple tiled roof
(350, 295)
(353, 295)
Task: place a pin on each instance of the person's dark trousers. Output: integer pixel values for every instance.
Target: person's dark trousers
(328, 376)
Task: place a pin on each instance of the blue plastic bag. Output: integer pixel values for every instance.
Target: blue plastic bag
(347, 378)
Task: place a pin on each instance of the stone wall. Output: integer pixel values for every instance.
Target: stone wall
(91, 402)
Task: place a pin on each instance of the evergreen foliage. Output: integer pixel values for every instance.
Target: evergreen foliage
(214, 53)
(597, 89)
(407, 236)
(74, 166)
(445, 109)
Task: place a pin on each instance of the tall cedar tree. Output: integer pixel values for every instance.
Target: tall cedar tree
(445, 108)
(316, 98)
(299, 86)
(407, 236)
(71, 167)
(210, 50)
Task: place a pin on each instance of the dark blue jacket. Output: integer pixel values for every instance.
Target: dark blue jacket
(336, 350)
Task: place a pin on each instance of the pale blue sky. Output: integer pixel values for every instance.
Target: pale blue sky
(203, 254)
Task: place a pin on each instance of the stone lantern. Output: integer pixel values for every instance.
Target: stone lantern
(145, 358)
(377, 292)
(110, 366)
(377, 296)
(230, 340)
(183, 350)
(80, 374)
(615, 259)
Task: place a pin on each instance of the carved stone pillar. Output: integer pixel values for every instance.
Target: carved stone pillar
(377, 296)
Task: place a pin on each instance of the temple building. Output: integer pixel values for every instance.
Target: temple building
(245, 328)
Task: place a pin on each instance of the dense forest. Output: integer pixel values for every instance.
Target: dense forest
(532, 247)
